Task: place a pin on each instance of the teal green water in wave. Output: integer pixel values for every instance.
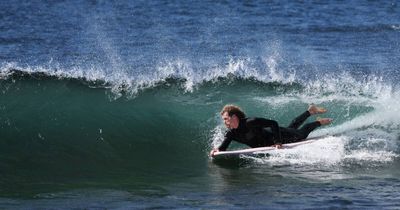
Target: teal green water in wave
(60, 134)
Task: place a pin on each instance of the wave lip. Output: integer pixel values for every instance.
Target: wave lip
(121, 82)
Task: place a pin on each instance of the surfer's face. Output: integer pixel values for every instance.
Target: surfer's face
(230, 121)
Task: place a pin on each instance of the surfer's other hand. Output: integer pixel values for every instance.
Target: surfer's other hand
(278, 146)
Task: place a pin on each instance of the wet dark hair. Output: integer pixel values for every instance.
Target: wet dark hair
(233, 110)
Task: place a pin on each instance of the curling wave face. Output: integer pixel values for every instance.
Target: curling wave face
(123, 118)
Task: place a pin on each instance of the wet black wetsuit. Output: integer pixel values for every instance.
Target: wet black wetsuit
(260, 132)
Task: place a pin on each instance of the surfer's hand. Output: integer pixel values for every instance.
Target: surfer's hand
(278, 146)
(213, 151)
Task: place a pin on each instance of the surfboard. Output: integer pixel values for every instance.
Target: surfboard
(261, 150)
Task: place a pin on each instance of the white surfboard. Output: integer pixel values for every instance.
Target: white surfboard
(260, 150)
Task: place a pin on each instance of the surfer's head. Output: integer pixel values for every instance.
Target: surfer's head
(231, 115)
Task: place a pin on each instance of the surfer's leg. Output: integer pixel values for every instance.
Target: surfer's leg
(291, 135)
(309, 127)
(312, 109)
(296, 122)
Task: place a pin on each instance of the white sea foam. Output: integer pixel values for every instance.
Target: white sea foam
(217, 136)
(277, 101)
(327, 151)
(367, 156)
(331, 151)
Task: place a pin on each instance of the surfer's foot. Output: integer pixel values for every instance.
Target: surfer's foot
(324, 121)
(316, 110)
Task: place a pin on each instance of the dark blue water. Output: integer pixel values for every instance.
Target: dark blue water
(114, 104)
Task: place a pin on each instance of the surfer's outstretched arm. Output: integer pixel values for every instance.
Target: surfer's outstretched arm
(227, 140)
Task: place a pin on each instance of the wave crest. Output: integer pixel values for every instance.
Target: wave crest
(189, 79)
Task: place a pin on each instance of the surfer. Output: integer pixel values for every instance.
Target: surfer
(261, 132)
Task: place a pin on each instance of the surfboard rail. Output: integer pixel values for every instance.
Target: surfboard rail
(264, 149)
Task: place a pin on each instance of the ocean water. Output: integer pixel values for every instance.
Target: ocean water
(115, 104)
